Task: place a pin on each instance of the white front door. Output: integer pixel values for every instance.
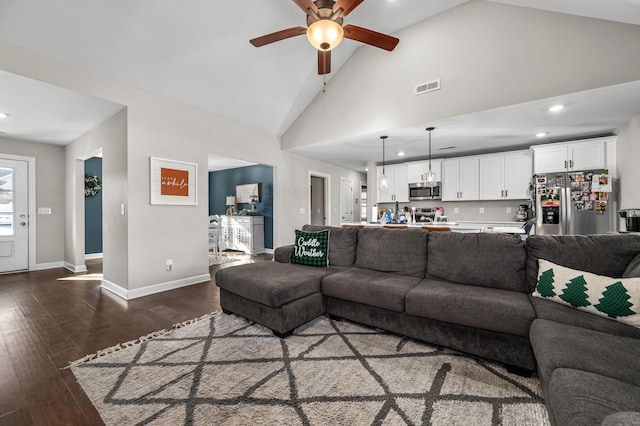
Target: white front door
(346, 200)
(14, 215)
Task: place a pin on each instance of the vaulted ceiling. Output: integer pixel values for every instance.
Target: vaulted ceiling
(198, 53)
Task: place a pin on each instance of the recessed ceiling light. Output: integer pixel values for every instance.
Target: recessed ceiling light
(541, 134)
(556, 108)
(401, 153)
(3, 115)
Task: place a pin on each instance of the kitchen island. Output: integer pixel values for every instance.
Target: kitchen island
(457, 226)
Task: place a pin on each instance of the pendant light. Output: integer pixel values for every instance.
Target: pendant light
(383, 177)
(429, 178)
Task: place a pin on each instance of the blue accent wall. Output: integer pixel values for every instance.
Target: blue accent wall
(223, 183)
(93, 211)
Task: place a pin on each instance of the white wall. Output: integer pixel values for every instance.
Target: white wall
(486, 54)
(158, 127)
(49, 193)
(110, 139)
(628, 162)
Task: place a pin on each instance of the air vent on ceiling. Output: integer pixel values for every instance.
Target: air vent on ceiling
(429, 86)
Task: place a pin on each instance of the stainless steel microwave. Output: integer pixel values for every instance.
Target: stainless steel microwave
(420, 191)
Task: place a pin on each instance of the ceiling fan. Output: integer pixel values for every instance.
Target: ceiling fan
(325, 30)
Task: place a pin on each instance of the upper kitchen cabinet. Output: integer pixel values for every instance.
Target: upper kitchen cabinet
(460, 179)
(418, 168)
(505, 176)
(398, 184)
(578, 155)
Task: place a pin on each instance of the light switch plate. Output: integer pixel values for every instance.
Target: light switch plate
(481, 210)
(301, 210)
(44, 210)
(508, 209)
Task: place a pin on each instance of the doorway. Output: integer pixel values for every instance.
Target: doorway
(14, 215)
(346, 200)
(317, 194)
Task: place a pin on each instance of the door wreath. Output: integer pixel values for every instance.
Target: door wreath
(92, 185)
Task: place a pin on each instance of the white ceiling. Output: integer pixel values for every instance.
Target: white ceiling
(198, 53)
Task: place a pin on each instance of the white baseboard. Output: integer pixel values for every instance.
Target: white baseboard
(50, 265)
(75, 268)
(114, 288)
(155, 288)
(269, 251)
(92, 256)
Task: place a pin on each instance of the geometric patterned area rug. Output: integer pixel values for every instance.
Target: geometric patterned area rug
(223, 369)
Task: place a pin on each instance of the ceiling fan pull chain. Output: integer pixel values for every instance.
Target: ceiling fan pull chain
(324, 84)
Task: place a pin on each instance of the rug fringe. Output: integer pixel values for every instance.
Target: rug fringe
(141, 339)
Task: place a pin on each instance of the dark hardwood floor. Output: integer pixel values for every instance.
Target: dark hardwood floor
(50, 318)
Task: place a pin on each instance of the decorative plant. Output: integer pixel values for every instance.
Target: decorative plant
(92, 185)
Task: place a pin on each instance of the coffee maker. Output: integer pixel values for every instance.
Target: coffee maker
(523, 213)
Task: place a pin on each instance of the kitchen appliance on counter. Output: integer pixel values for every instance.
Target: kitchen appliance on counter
(425, 215)
(631, 219)
(574, 203)
(421, 191)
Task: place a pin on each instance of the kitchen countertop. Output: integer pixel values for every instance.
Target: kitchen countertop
(459, 226)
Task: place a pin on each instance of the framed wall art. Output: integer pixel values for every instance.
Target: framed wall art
(173, 182)
(245, 193)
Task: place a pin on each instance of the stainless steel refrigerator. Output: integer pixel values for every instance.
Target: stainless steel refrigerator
(575, 203)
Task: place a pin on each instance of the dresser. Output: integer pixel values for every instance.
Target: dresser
(242, 233)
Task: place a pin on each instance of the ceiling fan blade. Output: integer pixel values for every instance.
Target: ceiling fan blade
(346, 5)
(371, 37)
(277, 36)
(324, 62)
(306, 4)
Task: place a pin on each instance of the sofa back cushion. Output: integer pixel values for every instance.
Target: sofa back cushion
(397, 251)
(605, 254)
(342, 244)
(482, 259)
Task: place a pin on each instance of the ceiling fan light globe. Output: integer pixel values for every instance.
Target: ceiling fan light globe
(325, 34)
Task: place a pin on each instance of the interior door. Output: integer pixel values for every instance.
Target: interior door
(346, 200)
(317, 201)
(14, 220)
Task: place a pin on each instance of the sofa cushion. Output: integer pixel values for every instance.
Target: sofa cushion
(605, 254)
(622, 418)
(577, 397)
(397, 251)
(481, 259)
(343, 243)
(558, 345)
(614, 298)
(481, 307)
(272, 283)
(546, 309)
(633, 268)
(311, 248)
(371, 288)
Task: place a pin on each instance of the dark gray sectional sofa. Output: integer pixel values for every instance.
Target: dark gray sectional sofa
(470, 292)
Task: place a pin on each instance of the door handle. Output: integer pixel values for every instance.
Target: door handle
(565, 164)
(571, 163)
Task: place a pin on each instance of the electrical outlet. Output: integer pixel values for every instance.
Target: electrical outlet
(456, 210)
(169, 265)
(481, 210)
(509, 210)
(301, 210)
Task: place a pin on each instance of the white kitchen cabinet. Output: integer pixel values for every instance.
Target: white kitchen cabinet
(579, 155)
(243, 233)
(460, 179)
(416, 169)
(505, 176)
(397, 184)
